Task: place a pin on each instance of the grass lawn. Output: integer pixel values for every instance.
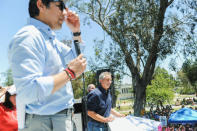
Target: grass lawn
(126, 105)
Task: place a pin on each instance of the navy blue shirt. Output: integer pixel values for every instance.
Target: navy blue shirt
(99, 100)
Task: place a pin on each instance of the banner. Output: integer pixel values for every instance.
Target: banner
(132, 123)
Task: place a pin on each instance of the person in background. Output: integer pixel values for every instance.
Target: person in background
(8, 119)
(142, 113)
(195, 127)
(99, 105)
(2, 94)
(90, 87)
(43, 67)
(170, 127)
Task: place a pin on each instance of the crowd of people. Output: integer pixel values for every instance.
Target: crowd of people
(186, 101)
(181, 127)
(8, 118)
(162, 113)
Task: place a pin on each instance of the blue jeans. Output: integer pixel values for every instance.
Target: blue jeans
(61, 121)
(96, 126)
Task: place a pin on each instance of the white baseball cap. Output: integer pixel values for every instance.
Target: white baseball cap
(2, 99)
(12, 90)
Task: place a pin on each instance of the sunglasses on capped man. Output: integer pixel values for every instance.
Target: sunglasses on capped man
(61, 5)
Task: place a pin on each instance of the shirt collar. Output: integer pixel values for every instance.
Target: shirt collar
(44, 27)
(103, 90)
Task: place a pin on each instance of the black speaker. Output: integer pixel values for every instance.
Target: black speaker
(77, 107)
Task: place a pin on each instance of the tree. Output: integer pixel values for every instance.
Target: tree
(183, 80)
(189, 68)
(142, 33)
(161, 87)
(189, 37)
(78, 83)
(8, 78)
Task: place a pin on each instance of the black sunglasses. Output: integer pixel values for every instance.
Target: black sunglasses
(61, 6)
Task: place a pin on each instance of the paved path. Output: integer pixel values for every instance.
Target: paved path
(78, 121)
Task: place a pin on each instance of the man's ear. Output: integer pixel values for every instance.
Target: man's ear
(40, 5)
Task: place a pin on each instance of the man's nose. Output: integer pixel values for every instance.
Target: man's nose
(65, 12)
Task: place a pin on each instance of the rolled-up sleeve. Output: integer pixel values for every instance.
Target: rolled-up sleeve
(26, 57)
(92, 102)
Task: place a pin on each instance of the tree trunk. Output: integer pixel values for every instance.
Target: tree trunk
(139, 98)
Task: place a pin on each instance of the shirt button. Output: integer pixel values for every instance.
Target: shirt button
(48, 29)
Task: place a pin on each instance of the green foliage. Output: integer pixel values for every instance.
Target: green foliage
(191, 70)
(188, 77)
(185, 86)
(183, 79)
(8, 78)
(161, 88)
(188, 10)
(116, 95)
(186, 90)
(78, 84)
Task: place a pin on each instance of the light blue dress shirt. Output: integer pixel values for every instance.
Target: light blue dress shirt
(35, 55)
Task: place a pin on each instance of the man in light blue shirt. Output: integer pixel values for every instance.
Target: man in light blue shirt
(42, 67)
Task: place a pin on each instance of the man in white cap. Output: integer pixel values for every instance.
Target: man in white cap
(8, 109)
(10, 89)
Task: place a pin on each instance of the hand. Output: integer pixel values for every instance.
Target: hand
(109, 119)
(122, 115)
(72, 20)
(2, 91)
(78, 65)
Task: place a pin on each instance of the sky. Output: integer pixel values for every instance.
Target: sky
(14, 15)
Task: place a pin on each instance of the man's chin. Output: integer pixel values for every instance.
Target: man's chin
(58, 27)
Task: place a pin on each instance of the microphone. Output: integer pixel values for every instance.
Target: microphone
(84, 99)
(77, 49)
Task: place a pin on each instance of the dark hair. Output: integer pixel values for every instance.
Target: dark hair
(33, 9)
(7, 102)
